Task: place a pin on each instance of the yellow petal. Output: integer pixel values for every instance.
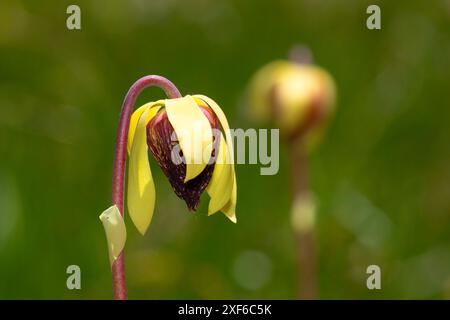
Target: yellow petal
(134, 120)
(221, 183)
(229, 209)
(116, 233)
(223, 121)
(141, 190)
(193, 132)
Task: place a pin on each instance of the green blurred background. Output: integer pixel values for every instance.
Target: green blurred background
(381, 175)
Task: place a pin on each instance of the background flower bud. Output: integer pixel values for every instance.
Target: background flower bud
(297, 98)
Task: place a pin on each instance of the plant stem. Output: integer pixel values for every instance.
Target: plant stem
(303, 208)
(118, 267)
(301, 54)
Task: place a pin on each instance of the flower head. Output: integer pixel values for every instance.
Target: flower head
(298, 97)
(184, 137)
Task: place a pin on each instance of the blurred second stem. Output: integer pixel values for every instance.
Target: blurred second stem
(303, 220)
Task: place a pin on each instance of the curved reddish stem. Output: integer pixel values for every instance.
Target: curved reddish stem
(118, 267)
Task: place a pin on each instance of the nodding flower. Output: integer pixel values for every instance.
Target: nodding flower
(184, 137)
(190, 139)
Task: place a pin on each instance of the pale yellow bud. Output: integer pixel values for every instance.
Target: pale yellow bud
(297, 98)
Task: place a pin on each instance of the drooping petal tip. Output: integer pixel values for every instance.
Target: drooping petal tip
(232, 218)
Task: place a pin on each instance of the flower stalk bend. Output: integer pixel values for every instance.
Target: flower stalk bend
(118, 265)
